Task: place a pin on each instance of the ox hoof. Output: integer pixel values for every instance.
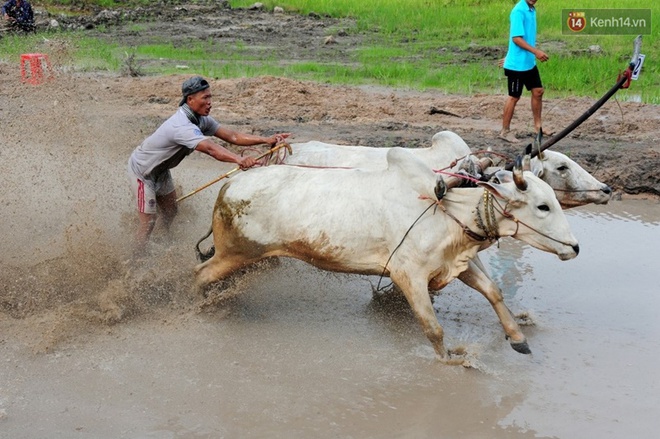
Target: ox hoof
(521, 347)
(456, 357)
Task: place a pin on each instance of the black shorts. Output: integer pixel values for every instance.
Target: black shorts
(529, 78)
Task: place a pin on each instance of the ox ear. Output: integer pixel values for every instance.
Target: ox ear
(502, 176)
(537, 168)
(505, 191)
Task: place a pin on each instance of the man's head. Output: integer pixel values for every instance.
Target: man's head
(197, 94)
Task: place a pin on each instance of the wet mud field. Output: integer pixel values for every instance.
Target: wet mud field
(94, 346)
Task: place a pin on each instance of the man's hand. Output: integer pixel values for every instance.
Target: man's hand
(277, 138)
(541, 55)
(247, 162)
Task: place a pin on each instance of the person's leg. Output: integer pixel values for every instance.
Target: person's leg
(509, 107)
(144, 194)
(145, 227)
(507, 115)
(514, 85)
(532, 81)
(168, 208)
(537, 107)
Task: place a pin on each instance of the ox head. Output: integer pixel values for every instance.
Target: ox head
(533, 214)
(573, 185)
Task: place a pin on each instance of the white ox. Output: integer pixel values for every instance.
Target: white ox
(379, 222)
(573, 186)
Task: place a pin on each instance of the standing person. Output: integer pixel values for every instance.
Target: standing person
(19, 14)
(184, 132)
(520, 66)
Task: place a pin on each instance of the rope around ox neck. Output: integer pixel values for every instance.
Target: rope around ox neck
(489, 225)
(510, 216)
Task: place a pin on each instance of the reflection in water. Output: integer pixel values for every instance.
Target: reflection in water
(507, 267)
(598, 346)
(643, 212)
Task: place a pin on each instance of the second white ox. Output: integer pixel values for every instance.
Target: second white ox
(381, 222)
(573, 186)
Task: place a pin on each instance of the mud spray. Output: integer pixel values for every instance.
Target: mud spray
(67, 217)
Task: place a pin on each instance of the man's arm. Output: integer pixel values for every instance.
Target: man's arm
(242, 139)
(222, 154)
(539, 54)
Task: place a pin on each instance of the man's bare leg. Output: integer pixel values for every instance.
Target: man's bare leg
(537, 107)
(145, 227)
(507, 116)
(168, 208)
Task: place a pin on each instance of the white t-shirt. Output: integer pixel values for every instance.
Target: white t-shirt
(169, 144)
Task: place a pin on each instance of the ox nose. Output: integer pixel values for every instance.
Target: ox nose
(576, 249)
(607, 190)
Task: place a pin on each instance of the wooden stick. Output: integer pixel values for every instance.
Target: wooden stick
(270, 151)
(623, 79)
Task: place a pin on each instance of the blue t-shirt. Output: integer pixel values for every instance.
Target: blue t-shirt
(523, 24)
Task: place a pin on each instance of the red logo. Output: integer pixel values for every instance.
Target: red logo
(577, 21)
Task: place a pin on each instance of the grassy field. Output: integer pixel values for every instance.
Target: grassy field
(420, 29)
(448, 45)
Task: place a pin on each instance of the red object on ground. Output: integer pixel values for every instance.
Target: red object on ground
(35, 73)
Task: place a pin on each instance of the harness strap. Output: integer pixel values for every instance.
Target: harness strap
(469, 232)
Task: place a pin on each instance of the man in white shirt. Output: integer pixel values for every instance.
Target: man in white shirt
(184, 132)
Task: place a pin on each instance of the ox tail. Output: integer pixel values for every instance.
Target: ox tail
(205, 256)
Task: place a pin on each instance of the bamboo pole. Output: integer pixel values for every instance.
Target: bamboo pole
(238, 168)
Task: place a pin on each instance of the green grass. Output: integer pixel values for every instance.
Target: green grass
(419, 28)
(448, 45)
(75, 49)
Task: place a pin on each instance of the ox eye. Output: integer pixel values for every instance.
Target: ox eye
(562, 168)
(544, 207)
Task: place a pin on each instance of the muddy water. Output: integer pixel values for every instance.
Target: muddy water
(93, 347)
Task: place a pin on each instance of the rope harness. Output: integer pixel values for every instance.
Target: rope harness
(572, 191)
(489, 223)
(486, 219)
(489, 226)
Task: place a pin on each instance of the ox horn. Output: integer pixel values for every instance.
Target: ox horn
(527, 158)
(538, 140)
(518, 177)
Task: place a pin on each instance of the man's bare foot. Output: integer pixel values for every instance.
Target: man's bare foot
(508, 136)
